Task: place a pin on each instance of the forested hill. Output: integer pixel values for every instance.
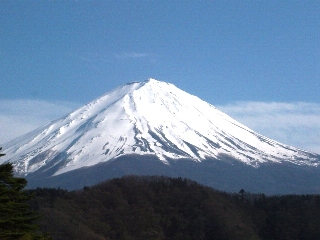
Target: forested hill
(173, 208)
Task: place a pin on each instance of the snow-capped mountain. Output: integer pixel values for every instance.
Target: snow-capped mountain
(149, 118)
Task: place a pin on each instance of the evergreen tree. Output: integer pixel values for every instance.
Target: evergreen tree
(1, 154)
(16, 217)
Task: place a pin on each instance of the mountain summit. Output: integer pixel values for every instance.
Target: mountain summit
(150, 119)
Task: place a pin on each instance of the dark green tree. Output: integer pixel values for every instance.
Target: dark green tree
(16, 217)
(1, 154)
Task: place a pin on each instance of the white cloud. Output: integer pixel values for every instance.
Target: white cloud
(18, 117)
(295, 124)
(129, 55)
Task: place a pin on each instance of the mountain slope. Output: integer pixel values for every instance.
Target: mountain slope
(150, 118)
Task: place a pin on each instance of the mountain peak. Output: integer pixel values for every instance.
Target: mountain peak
(149, 80)
(152, 80)
(155, 82)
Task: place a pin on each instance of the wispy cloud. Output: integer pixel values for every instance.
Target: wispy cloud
(296, 124)
(18, 117)
(131, 55)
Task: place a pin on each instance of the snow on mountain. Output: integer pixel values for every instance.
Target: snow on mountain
(145, 118)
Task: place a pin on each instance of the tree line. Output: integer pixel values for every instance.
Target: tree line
(151, 207)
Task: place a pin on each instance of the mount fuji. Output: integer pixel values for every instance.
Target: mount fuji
(154, 128)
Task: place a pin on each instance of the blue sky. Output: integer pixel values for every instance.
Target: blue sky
(259, 61)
